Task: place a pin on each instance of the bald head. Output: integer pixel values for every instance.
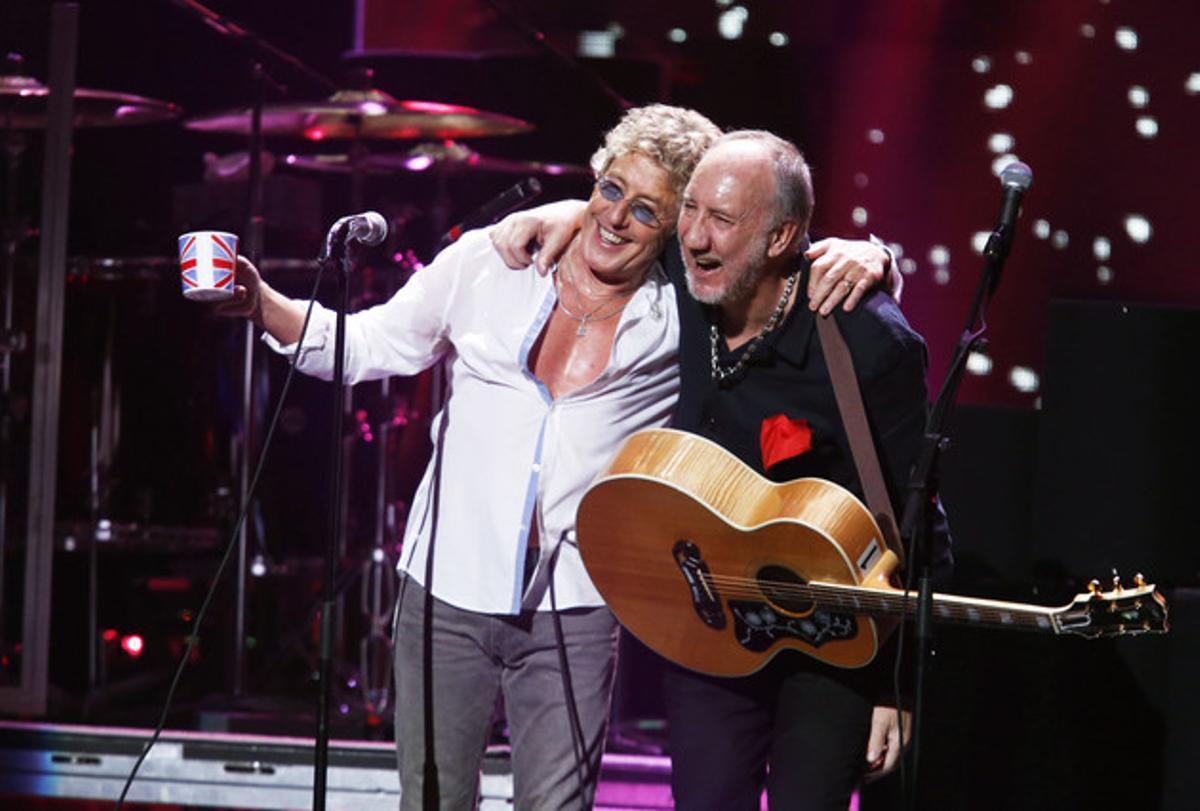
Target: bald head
(791, 180)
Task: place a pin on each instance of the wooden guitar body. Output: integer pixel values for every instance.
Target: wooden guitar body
(692, 563)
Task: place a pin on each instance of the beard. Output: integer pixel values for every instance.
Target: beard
(743, 280)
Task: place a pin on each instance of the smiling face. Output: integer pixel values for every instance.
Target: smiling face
(614, 244)
(726, 223)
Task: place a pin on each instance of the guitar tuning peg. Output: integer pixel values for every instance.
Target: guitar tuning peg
(1094, 587)
(1139, 580)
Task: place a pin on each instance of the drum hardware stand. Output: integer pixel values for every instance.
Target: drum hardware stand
(255, 222)
(103, 446)
(379, 580)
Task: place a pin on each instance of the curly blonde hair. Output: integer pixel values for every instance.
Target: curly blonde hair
(676, 137)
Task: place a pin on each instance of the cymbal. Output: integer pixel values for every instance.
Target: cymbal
(449, 157)
(23, 103)
(365, 114)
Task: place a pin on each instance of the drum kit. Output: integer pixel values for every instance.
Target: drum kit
(431, 135)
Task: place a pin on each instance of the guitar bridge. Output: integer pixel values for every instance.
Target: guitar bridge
(696, 574)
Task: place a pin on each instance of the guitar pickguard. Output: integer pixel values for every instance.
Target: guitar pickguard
(696, 574)
(757, 626)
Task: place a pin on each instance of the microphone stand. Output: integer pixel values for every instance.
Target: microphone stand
(920, 510)
(335, 528)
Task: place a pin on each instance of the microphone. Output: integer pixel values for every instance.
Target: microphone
(512, 198)
(367, 228)
(1015, 180)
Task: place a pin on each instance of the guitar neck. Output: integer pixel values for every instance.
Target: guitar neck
(945, 608)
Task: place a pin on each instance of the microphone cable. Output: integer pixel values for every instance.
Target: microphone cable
(194, 636)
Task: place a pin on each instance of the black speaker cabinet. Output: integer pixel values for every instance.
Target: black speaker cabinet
(1118, 442)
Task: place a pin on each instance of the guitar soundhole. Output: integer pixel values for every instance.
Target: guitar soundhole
(778, 585)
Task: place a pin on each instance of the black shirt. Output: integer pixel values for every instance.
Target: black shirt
(786, 375)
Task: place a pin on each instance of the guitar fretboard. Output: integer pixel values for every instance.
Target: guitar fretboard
(946, 607)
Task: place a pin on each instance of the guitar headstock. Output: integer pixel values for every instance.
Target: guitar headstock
(1120, 611)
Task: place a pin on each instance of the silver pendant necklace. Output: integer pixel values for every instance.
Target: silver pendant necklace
(721, 373)
(590, 316)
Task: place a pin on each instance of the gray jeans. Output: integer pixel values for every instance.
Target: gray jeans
(471, 658)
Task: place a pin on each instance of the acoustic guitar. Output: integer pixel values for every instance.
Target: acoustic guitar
(718, 569)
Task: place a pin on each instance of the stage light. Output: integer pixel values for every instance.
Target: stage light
(859, 216)
(1147, 126)
(942, 275)
(1041, 229)
(1001, 142)
(861, 180)
(258, 566)
(1138, 96)
(939, 255)
(109, 635)
(1061, 239)
(1087, 31)
(875, 135)
(1023, 379)
(1138, 228)
(1104, 274)
(778, 39)
(1127, 38)
(1023, 57)
(908, 266)
(981, 64)
(979, 241)
(378, 555)
(133, 645)
(731, 23)
(1192, 85)
(598, 44)
(677, 35)
(979, 363)
(1101, 248)
(998, 97)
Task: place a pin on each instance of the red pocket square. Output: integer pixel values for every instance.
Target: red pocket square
(783, 438)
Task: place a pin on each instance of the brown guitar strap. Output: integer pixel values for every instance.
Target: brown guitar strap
(854, 419)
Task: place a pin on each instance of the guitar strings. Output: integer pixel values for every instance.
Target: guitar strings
(835, 595)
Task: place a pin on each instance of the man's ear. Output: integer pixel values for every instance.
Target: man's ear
(784, 239)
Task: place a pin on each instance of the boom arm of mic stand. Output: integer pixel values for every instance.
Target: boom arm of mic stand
(252, 42)
(538, 39)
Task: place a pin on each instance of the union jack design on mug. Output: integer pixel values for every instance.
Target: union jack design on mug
(207, 260)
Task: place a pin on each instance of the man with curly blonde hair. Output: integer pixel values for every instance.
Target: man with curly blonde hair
(547, 374)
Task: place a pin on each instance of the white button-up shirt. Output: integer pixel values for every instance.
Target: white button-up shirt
(510, 453)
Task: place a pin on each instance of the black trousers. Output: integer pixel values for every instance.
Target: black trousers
(798, 727)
